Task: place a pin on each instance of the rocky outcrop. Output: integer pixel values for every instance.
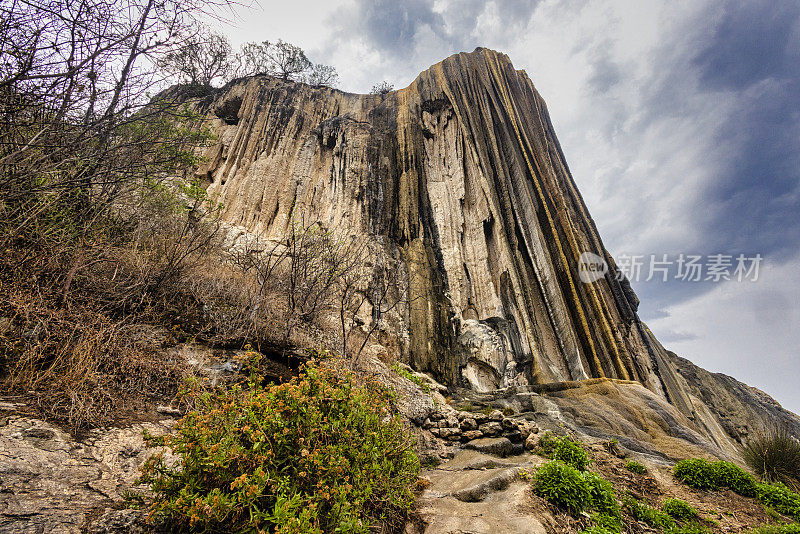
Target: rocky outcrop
(475, 492)
(51, 482)
(742, 410)
(459, 178)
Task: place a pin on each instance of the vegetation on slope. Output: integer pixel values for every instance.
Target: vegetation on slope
(616, 499)
(775, 457)
(112, 250)
(321, 453)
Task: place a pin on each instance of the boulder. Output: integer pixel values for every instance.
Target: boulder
(531, 441)
(469, 435)
(496, 446)
(469, 424)
(492, 428)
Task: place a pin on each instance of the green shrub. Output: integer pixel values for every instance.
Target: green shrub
(563, 485)
(548, 443)
(779, 497)
(652, 516)
(697, 473)
(734, 477)
(599, 530)
(571, 453)
(702, 474)
(690, 528)
(635, 467)
(316, 454)
(604, 502)
(679, 509)
(565, 449)
(776, 529)
(576, 492)
(775, 458)
(408, 375)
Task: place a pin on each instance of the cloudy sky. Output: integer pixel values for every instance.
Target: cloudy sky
(680, 121)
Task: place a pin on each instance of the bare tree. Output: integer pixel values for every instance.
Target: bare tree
(79, 134)
(287, 60)
(321, 75)
(254, 59)
(204, 57)
(381, 88)
(377, 287)
(317, 274)
(280, 59)
(74, 94)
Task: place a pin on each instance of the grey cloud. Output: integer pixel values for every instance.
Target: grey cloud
(391, 25)
(736, 65)
(671, 336)
(606, 73)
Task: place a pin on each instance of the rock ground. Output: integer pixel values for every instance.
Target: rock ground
(478, 493)
(50, 482)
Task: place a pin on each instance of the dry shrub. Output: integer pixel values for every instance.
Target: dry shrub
(79, 366)
(74, 310)
(775, 457)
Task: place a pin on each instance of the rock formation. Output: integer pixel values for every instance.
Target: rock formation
(461, 183)
(461, 180)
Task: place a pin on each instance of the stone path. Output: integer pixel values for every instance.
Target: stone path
(478, 493)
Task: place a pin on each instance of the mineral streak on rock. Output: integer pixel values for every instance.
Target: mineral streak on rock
(461, 180)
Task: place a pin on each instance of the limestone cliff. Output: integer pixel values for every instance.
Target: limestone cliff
(461, 180)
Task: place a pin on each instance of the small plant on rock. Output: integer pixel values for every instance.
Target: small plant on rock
(635, 467)
(408, 375)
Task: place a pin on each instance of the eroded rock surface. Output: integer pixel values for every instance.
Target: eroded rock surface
(480, 494)
(460, 180)
(50, 482)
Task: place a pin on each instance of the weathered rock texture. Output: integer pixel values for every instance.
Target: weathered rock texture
(460, 179)
(51, 482)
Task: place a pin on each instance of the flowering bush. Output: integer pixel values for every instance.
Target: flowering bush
(320, 453)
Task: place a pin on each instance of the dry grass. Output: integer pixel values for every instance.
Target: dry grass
(84, 360)
(775, 457)
(79, 366)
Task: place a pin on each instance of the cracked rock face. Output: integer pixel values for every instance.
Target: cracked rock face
(50, 482)
(460, 177)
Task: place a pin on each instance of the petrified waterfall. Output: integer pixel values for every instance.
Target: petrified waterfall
(461, 180)
(463, 176)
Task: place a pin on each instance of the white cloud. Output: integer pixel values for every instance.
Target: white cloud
(745, 329)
